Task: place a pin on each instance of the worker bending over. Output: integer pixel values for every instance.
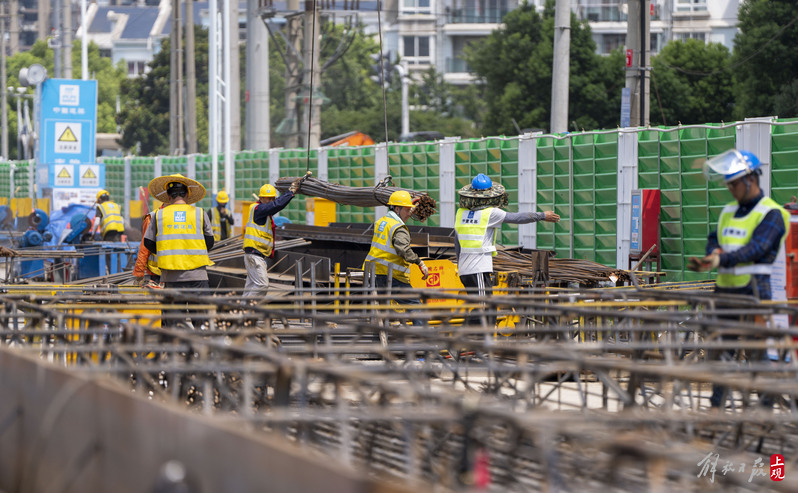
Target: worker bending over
(259, 237)
(222, 221)
(477, 223)
(111, 223)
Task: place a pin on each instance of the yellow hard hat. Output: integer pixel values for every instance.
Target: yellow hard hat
(222, 197)
(101, 193)
(267, 191)
(401, 198)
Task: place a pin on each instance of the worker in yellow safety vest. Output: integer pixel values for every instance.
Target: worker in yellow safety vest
(259, 237)
(111, 223)
(749, 238)
(180, 234)
(222, 221)
(477, 224)
(390, 246)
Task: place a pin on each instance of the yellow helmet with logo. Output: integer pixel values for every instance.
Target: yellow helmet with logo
(101, 193)
(222, 197)
(267, 191)
(401, 198)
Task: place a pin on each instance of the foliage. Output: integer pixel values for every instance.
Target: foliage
(145, 115)
(690, 84)
(109, 78)
(765, 58)
(515, 65)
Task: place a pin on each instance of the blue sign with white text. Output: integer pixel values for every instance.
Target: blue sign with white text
(67, 151)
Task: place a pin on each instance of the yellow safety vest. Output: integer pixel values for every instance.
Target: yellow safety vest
(384, 254)
(735, 232)
(259, 237)
(180, 242)
(112, 218)
(471, 227)
(216, 225)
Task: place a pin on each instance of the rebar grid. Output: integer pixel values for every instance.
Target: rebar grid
(590, 389)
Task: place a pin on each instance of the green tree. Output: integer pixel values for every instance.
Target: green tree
(145, 116)
(691, 83)
(765, 57)
(515, 65)
(109, 78)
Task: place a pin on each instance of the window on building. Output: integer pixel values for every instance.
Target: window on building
(693, 35)
(416, 49)
(611, 42)
(416, 6)
(691, 5)
(135, 69)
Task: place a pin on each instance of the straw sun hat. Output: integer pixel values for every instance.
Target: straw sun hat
(159, 186)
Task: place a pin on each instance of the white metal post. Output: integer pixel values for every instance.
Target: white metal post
(627, 181)
(229, 168)
(213, 103)
(84, 43)
(527, 181)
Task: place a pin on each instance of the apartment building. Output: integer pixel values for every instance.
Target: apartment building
(436, 32)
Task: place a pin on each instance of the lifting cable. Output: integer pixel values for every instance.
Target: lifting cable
(310, 93)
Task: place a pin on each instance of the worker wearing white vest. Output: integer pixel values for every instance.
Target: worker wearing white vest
(751, 232)
(111, 223)
(259, 237)
(477, 223)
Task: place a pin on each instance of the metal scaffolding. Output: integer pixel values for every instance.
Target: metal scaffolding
(574, 389)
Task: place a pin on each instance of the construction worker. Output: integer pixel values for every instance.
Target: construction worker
(390, 246)
(111, 223)
(259, 236)
(222, 221)
(180, 235)
(751, 231)
(477, 223)
(147, 263)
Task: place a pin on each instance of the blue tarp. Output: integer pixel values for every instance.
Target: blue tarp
(59, 220)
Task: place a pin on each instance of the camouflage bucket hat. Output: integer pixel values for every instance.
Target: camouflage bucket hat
(496, 190)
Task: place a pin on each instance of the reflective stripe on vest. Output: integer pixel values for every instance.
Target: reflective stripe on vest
(384, 254)
(180, 242)
(471, 227)
(112, 218)
(216, 225)
(259, 237)
(736, 232)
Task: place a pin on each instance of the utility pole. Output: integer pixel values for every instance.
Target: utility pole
(13, 30)
(560, 79)
(176, 145)
(637, 76)
(257, 101)
(67, 36)
(234, 81)
(292, 74)
(311, 111)
(4, 97)
(191, 82)
(56, 40)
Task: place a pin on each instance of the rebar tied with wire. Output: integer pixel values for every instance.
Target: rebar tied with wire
(360, 196)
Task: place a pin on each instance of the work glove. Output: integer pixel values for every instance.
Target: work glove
(139, 281)
(707, 263)
(424, 270)
(551, 217)
(294, 188)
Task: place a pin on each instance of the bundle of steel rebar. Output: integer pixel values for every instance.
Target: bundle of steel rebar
(585, 272)
(360, 196)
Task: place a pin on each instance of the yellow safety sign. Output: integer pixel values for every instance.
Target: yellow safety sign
(64, 173)
(89, 174)
(67, 136)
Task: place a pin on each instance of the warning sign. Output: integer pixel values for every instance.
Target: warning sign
(64, 175)
(67, 137)
(89, 175)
